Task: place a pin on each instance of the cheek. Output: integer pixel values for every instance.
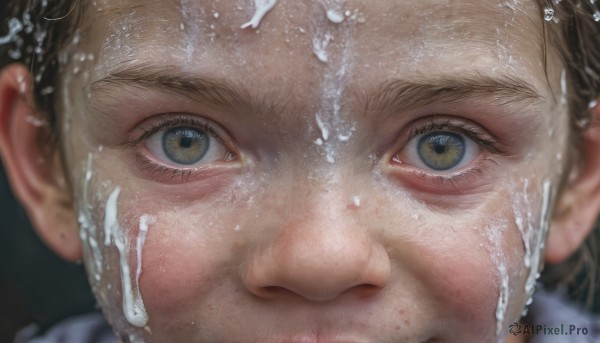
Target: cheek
(471, 268)
(463, 281)
(178, 270)
(462, 287)
(186, 258)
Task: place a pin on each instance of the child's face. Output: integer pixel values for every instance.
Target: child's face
(386, 178)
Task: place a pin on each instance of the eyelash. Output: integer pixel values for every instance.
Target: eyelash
(153, 168)
(485, 141)
(175, 122)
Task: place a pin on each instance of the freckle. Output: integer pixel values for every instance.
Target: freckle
(397, 327)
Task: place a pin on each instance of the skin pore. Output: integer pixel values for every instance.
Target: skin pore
(312, 217)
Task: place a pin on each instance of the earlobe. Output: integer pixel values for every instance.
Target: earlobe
(579, 204)
(35, 173)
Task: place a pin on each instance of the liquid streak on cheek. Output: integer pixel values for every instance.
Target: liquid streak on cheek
(533, 239)
(495, 233)
(539, 242)
(133, 304)
(145, 220)
(87, 226)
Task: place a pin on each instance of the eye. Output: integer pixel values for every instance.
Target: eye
(186, 146)
(440, 151)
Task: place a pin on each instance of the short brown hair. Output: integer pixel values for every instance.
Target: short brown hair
(41, 30)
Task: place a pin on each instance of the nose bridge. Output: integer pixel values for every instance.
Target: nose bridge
(318, 254)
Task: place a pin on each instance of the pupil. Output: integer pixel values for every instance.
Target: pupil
(186, 142)
(439, 148)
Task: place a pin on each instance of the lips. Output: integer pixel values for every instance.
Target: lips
(322, 339)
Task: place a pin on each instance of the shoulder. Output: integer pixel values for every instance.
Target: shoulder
(88, 328)
(553, 318)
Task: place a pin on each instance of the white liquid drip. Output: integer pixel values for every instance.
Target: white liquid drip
(538, 246)
(502, 298)
(334, 83)
(563, 87)
(330, 155)
(88, 171)
(110, 216)
(322, 127)
(261, 8)
(87, 225)
(133, 305)
(498, 257)
(335, 16)
(344, 137)
(320, 47)
(145, 220)
(526, 231)
(525, 237)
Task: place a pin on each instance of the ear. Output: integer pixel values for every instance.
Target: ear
(579, 204)
(34, 171)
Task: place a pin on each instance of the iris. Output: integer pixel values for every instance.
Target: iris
(441, 150)
(185, 145)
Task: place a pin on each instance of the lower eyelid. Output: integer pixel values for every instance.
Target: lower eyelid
(471, 178)
(157, 171)
(150, 169)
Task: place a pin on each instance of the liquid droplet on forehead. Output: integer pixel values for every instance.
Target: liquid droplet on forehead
(334, 16)
(548, 13)
(261, 8)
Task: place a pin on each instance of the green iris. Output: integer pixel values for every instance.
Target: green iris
(441, 150)
(185, 145)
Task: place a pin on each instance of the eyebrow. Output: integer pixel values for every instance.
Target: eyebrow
(169, 80)
(400, 96)
(394, 96)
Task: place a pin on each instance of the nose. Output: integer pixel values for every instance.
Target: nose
(318, 260)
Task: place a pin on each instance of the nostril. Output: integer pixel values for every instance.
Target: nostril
(273, 291)
(269, 292)
(364, 290)
(361, 291)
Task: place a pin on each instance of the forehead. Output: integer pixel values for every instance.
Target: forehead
(378, 38)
